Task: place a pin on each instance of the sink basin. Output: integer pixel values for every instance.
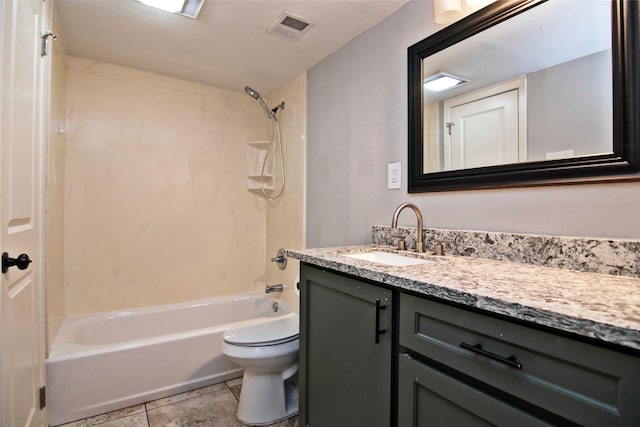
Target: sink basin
(387, 258)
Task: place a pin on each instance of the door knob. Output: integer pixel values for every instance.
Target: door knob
(22, 262)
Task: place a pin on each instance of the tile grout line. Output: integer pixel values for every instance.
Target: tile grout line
(146, 412)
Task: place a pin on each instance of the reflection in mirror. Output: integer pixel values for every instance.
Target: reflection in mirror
(535, 87)
(550, 108)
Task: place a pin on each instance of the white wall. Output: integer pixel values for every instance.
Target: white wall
(569, 107)
(357, 123)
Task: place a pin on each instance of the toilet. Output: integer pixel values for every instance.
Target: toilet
(268, 352)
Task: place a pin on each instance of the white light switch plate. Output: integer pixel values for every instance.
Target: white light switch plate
(394, 172)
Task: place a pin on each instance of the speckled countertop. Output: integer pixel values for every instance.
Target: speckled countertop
(600, 306)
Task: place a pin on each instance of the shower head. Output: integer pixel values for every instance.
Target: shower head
(255, 95)
(252, 93)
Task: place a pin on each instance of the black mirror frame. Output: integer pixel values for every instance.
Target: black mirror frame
(623, 164)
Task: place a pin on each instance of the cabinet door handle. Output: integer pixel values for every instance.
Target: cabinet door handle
(477, 349)
(378, 331)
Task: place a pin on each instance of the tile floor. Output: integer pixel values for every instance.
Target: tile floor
(212, 406)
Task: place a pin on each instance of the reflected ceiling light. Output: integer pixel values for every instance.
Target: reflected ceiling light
(443, 81)
(189, 8)
(450, 11)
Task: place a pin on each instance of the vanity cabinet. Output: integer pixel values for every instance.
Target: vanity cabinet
(345, 351)
(442, 364)
(460, 364)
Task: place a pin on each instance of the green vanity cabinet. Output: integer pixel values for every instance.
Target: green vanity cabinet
(345, 351)
(443, 364)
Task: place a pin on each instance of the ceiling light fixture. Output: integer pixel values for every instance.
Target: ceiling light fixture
(171, 6)
(450, 11)
(443, 81)
(189, 8)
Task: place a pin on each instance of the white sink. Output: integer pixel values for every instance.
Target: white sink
(387, 258)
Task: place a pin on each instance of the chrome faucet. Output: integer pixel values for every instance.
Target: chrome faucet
(274, 288)
(416, 210)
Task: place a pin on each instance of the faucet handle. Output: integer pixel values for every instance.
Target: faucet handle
(438, 248)
(402, 245)
(440, 245)
(280, 259)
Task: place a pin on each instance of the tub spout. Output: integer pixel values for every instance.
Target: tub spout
(274, 288)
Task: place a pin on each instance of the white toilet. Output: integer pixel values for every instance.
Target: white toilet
(268, 352)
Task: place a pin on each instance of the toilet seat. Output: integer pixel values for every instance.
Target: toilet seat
(280, 330)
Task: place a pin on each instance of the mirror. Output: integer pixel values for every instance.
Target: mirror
(534, 103)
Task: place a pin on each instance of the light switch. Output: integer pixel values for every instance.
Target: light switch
(394, 171)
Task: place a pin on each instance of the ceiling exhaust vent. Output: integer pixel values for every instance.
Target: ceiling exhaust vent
(290, 26)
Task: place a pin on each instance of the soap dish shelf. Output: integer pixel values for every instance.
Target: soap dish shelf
(256, 153)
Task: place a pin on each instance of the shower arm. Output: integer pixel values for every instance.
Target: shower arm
(270, 112)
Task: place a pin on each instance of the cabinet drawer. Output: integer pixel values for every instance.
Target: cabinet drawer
(581, 382)
(428, 397)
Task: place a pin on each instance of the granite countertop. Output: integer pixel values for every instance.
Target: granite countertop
(600, 306)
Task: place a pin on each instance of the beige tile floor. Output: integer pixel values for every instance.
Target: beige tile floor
(212, 406)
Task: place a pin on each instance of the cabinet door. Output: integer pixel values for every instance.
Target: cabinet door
(428, 397)
(345, 375)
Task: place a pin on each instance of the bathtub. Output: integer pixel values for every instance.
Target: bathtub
(107, 361)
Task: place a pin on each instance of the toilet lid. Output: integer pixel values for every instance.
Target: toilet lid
(274, 331)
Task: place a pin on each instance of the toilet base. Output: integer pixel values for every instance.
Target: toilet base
(267, 398)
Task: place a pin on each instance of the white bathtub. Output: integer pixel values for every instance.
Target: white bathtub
(107, 361)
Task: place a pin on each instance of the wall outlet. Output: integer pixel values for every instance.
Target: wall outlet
(394, 172)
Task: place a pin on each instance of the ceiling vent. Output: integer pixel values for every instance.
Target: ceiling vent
(290, 26)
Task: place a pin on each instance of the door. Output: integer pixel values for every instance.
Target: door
(486, 127)
(345, 353)
(483, 132)
(21, 136)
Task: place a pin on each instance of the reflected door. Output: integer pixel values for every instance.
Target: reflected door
(482, 132)
(21, 143)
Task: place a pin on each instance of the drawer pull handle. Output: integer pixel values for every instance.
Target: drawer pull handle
(378, 331)
(477, 349)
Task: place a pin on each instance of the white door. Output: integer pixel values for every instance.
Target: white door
(482, 132)
(21, 144)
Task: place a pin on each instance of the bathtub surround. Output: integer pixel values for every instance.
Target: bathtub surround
(357, 124)
(156, 212)
(606, 256)
(285, 215)
(156, 204)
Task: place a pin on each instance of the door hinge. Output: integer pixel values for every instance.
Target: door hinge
(43, 397)
(449, 125)
(45, 42)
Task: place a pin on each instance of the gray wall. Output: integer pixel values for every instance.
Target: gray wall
(570, 107)
(357, 123)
